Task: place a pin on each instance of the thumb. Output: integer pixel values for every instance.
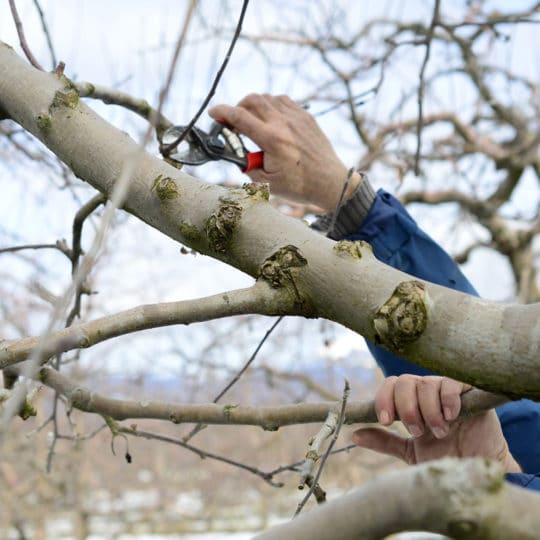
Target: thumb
(382, 441)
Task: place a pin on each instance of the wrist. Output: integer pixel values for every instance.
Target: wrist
(335, 196)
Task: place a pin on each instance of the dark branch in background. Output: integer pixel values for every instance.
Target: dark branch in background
(357, 100)
(421, 86)
(236, 378)
(60, 245)
(203, 454)
(45, 28)
(54, 438)
(22, 38)
(76, 250)
(167, 149)
(179, 44)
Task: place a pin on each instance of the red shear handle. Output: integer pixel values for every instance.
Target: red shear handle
(255, 160)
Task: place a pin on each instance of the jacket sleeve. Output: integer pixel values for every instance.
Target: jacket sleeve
(380, 219)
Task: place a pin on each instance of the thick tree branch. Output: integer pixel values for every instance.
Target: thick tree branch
(259, 299)
(460, 499)
(493, 346)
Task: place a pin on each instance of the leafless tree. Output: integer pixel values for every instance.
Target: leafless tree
(459, 134)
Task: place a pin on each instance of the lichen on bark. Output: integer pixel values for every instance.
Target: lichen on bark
(403, 318)
(276, 269)
(189, 231)
(220, 226)
(67, 97)
(352, 248)
(257, 191)
(165, 187)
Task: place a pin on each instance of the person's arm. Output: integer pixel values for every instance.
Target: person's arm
(399, 242)
(300, 163)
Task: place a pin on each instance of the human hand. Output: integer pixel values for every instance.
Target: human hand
(299, 161)
(429, 408)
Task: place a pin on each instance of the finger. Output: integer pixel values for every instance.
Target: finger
(428, 390)
(384, 402)
(451, 391)
(260, 105)
(285, 104)
(243, 121)
(406, 403)
(382, 441)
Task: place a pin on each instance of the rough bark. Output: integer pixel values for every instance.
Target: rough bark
(465, 499)
(492, 346)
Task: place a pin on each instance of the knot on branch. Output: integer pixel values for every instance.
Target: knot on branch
(43, 121)
(462, 528)
(67, 97)
(403, 317)
(258, 191)
(221, 225)
(277, 269)
(352, 248)
(189, 231)
(165, 187)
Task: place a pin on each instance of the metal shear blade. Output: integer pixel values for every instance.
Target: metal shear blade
(191, 150)
(220, 142)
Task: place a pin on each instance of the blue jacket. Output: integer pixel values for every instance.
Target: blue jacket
(399, 242)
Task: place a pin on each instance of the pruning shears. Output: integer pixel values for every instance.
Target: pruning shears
(221, 142)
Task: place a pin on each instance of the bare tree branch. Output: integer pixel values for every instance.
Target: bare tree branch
(22, 37)
(112, 96)
(456, 498)
(256, 299)
(269, 418)
(421, 86)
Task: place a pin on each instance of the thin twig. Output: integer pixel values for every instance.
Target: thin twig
(76, 250)
(22, 38)
(112, 96)
(167, 149)
(315, 482)
(179, 44)
(297, 464)
(358, 100)
(78, 222)
(60, 246)
(203, 454)
(421, 87)
(45, 28)
(52, 446)
(236, 377)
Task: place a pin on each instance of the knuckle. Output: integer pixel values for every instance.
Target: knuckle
(286, 100)
(433, 417)
(409, 415)
(253, 101)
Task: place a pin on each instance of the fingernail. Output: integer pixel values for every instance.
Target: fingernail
(384, 418)
(440, 433)
(415, 431)
(447, 413)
